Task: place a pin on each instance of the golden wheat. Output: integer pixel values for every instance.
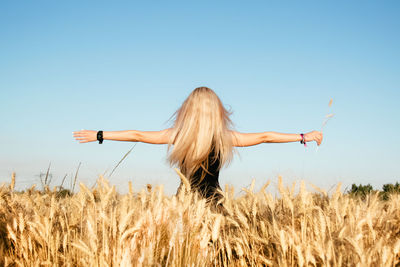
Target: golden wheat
(100, 227)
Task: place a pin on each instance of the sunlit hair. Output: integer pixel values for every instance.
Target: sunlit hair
(201, 126)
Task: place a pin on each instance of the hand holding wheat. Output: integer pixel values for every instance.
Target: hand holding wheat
(314, 136)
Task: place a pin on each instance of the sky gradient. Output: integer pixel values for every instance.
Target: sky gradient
(128, 65)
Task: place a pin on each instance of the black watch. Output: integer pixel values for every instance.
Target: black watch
(100, 137)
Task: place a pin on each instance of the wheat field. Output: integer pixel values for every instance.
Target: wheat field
(100, 227)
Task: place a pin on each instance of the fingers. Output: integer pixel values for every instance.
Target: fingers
(80, 132)
(314, 136)
(82, 140)
(80, 135)
(83, 136)
(318, 138)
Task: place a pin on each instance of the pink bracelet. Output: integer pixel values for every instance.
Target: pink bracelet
(303, 141)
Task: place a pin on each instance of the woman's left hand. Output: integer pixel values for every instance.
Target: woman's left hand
(85, 136)
(314, 136)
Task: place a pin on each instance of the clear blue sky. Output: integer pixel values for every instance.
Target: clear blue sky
(102, 65)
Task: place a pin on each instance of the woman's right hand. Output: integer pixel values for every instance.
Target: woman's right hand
(85, 136)
(314, 136)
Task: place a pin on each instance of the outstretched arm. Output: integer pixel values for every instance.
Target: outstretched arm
(251, 139)
(151, 137)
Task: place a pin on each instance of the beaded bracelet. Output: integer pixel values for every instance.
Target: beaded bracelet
(303, 140)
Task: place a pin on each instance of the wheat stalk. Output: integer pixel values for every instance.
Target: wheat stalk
(100, 227)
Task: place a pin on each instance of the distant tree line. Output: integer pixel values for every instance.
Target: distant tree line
(363, 190)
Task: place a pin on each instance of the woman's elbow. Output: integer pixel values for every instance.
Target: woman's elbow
(136, 136)
(266, 137)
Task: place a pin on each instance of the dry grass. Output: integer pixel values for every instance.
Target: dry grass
(99, 227)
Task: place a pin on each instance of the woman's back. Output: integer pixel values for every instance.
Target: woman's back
(207, 186)
(201, 140)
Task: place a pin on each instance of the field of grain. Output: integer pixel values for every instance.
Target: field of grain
(99, 227)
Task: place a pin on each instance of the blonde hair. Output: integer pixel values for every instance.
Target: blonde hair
(201, 127)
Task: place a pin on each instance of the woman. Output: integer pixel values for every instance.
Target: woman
(202, 139)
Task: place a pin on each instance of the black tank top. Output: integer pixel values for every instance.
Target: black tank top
(207, 187)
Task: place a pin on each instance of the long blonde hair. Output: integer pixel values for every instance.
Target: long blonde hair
(201, 126)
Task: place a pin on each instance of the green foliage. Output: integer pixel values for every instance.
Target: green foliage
(362, 191)
(63, 193)
(388, 189)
